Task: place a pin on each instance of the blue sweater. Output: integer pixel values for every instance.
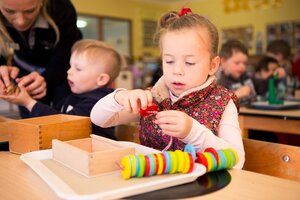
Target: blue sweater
(78, 104)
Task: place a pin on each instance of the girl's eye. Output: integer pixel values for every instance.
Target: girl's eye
(189, 63)
(169, 62)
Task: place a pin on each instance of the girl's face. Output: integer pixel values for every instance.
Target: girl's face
(186, 59)
(235, 66)
(83, 73)
(20, 13)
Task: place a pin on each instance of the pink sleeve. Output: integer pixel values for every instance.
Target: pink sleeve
(107, 112)
(228, 136)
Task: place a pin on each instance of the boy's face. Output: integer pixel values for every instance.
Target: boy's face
(235, 66)
(271, 70)
(83, 73)
(186, 59)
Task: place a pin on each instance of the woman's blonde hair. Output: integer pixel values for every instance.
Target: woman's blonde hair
(171, 21)
(104, 54)
(5, 38)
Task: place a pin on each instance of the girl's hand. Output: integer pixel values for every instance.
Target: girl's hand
(175, 123)
(134, 100)
(21, 98)
(6, 74)
(34, 83)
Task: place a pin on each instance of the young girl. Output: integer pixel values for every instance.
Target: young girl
(192, 108)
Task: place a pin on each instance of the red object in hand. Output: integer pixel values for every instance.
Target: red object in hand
(153, 109)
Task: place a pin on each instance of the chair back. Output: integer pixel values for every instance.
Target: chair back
(272, 159)
(129, 132)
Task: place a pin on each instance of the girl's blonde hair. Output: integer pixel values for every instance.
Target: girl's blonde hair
(171, 21)
(102, 53)
(5, 38)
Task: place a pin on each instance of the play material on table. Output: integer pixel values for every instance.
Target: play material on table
(69, 184)
(266, 106)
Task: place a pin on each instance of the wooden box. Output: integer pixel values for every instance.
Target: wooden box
(4, 128)
(33, 134)
(91, 156)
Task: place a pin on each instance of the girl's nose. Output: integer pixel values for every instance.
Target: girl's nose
(178, 69)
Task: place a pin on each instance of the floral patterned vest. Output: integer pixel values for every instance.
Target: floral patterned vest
(206, 106)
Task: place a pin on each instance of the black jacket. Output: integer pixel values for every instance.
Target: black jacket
(51, 61)
(78, 104)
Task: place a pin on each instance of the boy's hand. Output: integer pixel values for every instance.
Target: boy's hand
(175, 123)
(134, 100)
(34, 83)
(22, 98)
(280, 71)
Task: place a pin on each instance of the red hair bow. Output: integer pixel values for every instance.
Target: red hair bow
(184, 11)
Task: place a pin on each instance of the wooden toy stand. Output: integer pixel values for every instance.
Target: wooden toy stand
(91, 156)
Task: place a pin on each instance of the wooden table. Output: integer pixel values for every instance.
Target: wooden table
(283, 121)
(18, 181)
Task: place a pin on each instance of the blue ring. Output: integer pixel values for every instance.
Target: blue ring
(168, 164)
(137, 163)
(223, 163)
(190, 149)
(152, 170)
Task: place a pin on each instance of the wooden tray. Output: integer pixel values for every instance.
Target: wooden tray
(69, 184)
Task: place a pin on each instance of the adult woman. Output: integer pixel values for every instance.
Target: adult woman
(41, 32)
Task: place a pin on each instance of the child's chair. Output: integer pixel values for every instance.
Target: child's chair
(129, 132)
(272, 159)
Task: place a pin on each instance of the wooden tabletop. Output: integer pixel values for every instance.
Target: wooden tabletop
(18, 181)
(293, 114)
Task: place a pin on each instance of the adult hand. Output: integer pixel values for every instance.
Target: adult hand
(175, 123)
(134, 100)
(6, 74)
(34, 84)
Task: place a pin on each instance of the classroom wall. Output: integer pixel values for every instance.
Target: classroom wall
(213, 9)
(128, 9)
(258, 15)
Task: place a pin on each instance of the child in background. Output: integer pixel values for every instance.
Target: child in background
(233, 74)
(281, 51)
(266, 68)
(94, 66)
(192, 108)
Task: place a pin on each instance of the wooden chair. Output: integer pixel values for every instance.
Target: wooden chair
(272, 159)
(128, 132)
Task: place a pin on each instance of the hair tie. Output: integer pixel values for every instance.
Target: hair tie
(185, 11)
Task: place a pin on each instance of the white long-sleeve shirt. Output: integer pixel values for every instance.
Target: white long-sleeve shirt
(107, 112)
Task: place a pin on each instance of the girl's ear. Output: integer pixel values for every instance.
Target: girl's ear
(103, 79)
(214, 65)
